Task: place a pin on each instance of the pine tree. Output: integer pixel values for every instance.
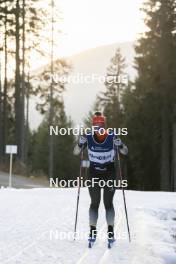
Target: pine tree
(5, 21)
(149, 108)
(110, 100)
(22, 24)
(65, 165)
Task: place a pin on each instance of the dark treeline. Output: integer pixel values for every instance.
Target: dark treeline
(153, 101)
(25, 29)
(145, 106)
(19, 21)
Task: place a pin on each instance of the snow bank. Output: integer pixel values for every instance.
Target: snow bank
(33, 224)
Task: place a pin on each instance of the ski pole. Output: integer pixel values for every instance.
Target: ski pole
(123, 192)
(78, 194)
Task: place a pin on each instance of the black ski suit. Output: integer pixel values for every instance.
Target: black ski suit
(101, 172)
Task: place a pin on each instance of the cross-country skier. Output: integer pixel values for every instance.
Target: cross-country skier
(101, 155)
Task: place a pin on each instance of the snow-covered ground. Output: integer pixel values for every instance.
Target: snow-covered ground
(36, 226)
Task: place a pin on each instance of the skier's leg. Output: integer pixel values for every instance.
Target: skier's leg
(110, 213)
(108, 203)
(95, 195)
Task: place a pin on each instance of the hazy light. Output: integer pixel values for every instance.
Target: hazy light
(90, 23)
(93, 23)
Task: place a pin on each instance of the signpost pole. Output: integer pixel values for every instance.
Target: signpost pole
(10, 170)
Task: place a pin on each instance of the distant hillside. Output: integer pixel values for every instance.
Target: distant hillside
(80, 96)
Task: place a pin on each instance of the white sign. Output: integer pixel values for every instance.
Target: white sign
(11, 149)
(85, 163)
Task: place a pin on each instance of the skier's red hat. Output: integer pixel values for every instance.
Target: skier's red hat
(98, 119)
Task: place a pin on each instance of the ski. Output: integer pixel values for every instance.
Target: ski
(91, 242)
(110, 243)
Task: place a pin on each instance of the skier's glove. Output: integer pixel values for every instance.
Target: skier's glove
(118, 143)
(82, 141)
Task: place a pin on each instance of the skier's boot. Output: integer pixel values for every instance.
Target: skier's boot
(111, 238)
(92, 236)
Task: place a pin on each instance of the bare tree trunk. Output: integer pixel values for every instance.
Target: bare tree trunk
(23, 90)
(1, 132)
(17, 83)
(51, 113)
(27, 122)
(5, 88)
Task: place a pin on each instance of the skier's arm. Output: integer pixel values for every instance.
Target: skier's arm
(82, 144)
(123, 149)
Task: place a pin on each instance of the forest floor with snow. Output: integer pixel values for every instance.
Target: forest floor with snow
(36, 227)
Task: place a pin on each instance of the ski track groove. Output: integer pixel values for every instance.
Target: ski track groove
(88, 250)
(27, 247)
(122, 223)
(34, 242)
(107, 252)
(87, 253)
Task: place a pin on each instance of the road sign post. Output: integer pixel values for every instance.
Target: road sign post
(86, 165)
(11, 149)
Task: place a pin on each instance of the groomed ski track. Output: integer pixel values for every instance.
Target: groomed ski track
(36, 227)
